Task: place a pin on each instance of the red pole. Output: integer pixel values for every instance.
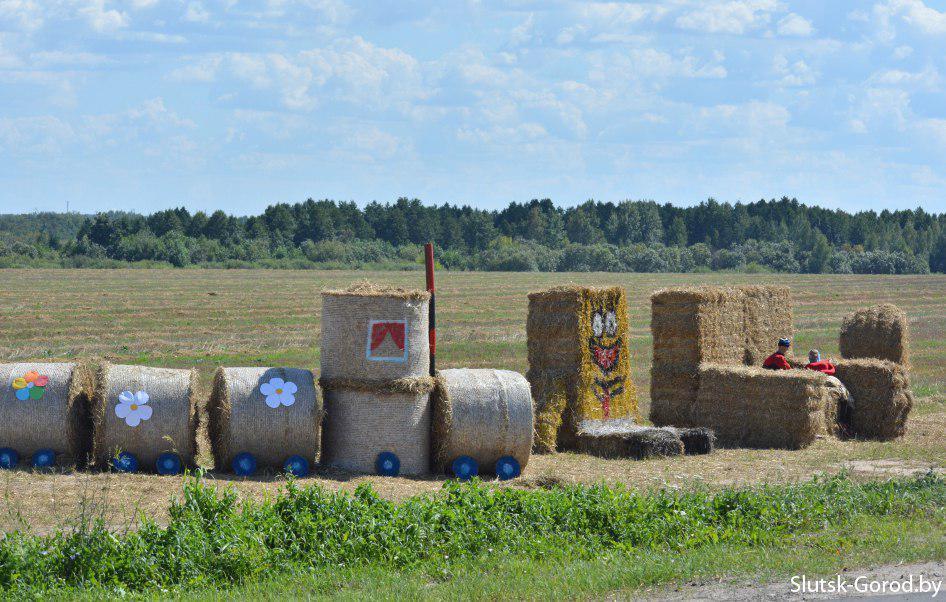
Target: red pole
(432, 323)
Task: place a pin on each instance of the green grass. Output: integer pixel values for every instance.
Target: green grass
(312, 537)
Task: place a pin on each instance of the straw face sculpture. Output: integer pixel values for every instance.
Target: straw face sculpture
(578, 349)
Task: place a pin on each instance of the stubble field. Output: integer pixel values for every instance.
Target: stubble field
(206, 318)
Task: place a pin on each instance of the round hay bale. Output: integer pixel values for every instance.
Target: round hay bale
(363, 420)
(482, 414)
(272, 413)
(46, 407)
(371, 333)
(145, 412)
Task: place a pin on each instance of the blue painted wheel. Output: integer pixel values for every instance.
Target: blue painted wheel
(9, 458)
(169, 463)
(244, 464)
(125, 462)
(465, 468)
(387, 464)
(507, 468)
(44, 458)
(296, 465)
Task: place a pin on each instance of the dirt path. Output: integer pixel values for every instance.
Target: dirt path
(855, 580)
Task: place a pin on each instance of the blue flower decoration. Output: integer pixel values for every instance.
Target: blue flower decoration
(23, 394)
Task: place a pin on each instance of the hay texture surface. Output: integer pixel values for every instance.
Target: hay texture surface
(625, 439)
(709, 325)
(55, 413)
(879, 332)
(243, 419)
(696, 441)
(748, 406)
(171, 426)
(373, 333)
(360, 424)
(578, 354)
(484, 414)
(882, 397)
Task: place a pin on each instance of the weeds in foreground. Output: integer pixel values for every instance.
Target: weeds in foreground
(212, 539)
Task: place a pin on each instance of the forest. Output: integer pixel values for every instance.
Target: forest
(633, 236)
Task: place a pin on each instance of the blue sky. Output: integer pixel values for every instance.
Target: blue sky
(148, 104)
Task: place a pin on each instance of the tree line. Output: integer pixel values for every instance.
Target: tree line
(641, 236)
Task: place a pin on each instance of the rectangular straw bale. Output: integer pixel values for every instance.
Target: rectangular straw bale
(673, 389)
(880, 332)
(578, 342)
(749, 406)
(882, 397)
(56, 414)
(698, 324)
(767, 318)
(624, 439)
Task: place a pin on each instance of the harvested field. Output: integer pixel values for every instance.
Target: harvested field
(204, 318)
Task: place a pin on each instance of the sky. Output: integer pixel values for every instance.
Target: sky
(223, 104)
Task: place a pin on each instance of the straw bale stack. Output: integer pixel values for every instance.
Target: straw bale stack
(46, 406)
(578, 350)
(882, 397)
(146, 412)
(748, 406)
(709, 325)
(364, 419)
(880, 332)
(483, 414)
(271, 413)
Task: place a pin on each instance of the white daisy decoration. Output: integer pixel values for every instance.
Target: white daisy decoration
(133, 407)
(279, 392)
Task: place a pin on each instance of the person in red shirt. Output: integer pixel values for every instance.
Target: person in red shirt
(819, 365)
(777, 360)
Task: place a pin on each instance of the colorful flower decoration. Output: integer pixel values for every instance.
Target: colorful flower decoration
(133, 407)
(31, 385)
(279, 392)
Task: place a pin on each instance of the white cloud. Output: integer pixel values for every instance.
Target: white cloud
(196, 13)
(795, 25)
(45, 134)
(650, 63)
(58, 58)
(928, 78)
(902, 52)
(732, 17)
(101, 18)
(919, 15)
(794, 74)
(26, 14)
(523, 32)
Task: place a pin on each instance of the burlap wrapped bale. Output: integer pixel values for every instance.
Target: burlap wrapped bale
(625, 439)
(882, 397)
(375, 333)
(578, 345)
(879, 332)
(713, 325)
(172, 426)
(364, 419)
(484, 414)
(748, 406)
(240, 420)
(56, 419)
